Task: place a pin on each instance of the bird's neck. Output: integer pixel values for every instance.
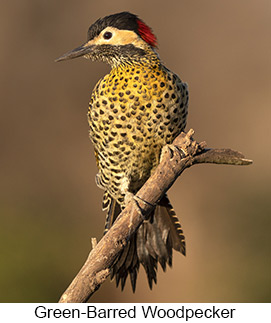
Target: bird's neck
(146, 58)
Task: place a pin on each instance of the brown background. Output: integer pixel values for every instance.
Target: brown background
(49, 204)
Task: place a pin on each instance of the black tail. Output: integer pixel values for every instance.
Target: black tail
(152, 243)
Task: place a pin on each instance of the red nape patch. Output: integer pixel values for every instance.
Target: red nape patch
(146, 33)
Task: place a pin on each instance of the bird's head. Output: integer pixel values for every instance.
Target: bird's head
(115, 39)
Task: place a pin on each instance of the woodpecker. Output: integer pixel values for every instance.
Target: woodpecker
(134, 111)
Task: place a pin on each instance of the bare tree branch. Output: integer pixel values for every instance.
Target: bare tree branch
(175, 158)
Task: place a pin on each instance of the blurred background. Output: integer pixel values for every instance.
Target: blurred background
(49, 203)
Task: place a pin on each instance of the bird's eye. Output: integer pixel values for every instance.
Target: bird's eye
(107, 35)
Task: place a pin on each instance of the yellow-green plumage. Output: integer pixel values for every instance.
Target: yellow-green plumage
(134, 111)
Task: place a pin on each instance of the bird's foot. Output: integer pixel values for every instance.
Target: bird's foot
(172, 149)
(130, 197)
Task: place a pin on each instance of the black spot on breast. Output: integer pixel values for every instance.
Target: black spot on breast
(96, 115)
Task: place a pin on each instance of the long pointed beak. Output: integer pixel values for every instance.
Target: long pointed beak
(77, 52)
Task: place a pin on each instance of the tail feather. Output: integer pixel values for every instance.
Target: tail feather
(113, 208)
(152, 243)
(170, 226)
